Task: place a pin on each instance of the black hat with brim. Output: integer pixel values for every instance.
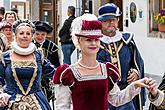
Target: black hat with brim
(43, 26)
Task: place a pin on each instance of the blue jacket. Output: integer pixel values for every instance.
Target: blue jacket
(125, 55)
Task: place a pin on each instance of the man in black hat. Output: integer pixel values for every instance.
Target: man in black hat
(50, 49)
(120, 49)
(65, 37)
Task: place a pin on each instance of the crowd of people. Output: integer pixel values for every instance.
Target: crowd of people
(108, 75)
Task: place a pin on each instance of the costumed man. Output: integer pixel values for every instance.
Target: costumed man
(158, 97)
(49, 49)
(119, 48)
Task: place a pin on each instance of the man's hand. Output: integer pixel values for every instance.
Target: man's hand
(152, 86)
(133, 76)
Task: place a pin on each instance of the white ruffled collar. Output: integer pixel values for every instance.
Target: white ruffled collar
(23, 51)
(107, 39)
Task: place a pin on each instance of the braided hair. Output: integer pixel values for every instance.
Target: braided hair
(24, 22)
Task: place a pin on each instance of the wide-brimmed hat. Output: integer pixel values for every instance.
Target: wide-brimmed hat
(43, 26)
(90, 29)
(107, 11)
(86, 25)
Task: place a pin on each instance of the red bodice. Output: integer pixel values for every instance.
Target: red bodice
(90, 91)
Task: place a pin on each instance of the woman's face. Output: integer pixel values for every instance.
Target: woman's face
(40, 36)
(8, 33)
(10, 18)
(89, 46)
(24, 36)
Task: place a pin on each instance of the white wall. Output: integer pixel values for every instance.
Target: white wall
(1, 3)
(6, 4)
(151, 49)
(153, 53)
(140, 27)
(64, 6)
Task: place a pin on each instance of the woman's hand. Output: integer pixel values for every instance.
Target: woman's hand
(141, 83)
(133, 76)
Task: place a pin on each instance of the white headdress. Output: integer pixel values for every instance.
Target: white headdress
(77, 25)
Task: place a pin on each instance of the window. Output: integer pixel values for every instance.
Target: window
(154, 8)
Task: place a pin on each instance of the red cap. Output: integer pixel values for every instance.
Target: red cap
(91, 29)
(5, 25)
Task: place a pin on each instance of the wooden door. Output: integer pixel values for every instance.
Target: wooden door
(48, 13)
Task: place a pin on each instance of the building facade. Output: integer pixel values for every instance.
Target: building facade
(137, 17)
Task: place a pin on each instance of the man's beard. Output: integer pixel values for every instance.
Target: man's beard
(107, 31)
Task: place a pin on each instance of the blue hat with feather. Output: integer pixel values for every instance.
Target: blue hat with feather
(107, 11)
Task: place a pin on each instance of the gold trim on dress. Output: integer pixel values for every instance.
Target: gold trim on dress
(23, 64)
(28, 102)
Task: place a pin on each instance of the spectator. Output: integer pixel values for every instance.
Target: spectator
(65, 37)
(10, 17)
(120, 49)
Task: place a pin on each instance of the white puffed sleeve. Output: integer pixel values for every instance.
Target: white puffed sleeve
(119, 97)
(63, 97)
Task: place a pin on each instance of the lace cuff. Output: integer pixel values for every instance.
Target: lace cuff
(158, 99)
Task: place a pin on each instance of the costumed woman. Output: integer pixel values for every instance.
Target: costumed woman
(6, 29)
(10, 17)
(88, 84)
(20, 72)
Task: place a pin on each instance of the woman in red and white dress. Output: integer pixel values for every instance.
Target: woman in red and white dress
(89, 84)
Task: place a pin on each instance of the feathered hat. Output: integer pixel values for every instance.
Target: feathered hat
(86, 25)
(5, 25)
(107, 11)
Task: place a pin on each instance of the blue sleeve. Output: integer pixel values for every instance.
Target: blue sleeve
(103, 56)
(138, 61)
(47, 69)
(139, 65)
